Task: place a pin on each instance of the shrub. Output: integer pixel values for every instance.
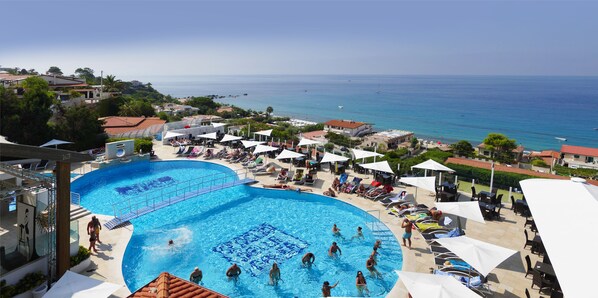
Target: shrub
(501, 179)
(145, 144)
(81, 256)
(28, 282)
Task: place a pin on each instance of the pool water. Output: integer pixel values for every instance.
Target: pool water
(252, 227)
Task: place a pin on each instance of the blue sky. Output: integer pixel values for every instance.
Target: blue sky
(311, 37)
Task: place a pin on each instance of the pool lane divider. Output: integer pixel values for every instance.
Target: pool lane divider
(124, 219)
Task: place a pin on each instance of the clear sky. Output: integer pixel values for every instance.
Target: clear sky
(130, 38)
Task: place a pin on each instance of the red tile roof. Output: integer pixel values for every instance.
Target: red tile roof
(168, 285)
(314, 134)
(585, 151)
(116, 125)
(344, 124)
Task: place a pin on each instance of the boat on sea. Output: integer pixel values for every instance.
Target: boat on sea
(561, 139)
(340, 107)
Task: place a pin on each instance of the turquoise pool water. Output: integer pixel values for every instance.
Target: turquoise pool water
(252, 227)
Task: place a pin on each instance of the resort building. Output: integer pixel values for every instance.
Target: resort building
(349, 128)
(516, 154)
(317, 135)
(579, 157)
(176, 109)
(132, 126)
(390, 138)
(550, 157)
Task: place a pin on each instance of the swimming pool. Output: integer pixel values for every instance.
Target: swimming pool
(252, 227)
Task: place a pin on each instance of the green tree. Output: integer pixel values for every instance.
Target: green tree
(111, 84)
(269, 110)
(500, 146)
(137, 108)
(79, 124)
(109, 106)
(34, 110)
(10, 114)
(54, 70)
(86, 73)
(462, 148)
(205, 104)
(414, 142)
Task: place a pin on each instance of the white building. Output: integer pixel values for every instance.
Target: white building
(348, 127)
(176, 109)
(579, 157)
(390, 138)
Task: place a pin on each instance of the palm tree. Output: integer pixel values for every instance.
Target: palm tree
(111, 84)
(269, 110)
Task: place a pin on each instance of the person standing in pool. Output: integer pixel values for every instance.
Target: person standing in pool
(233, 272)
(370, 264)
(359, 234)
(274, 274)
(334, 249)
(308, 259)
(361, 284)
(326, 287)
(196, 276)
(378, 243)
(336, 231)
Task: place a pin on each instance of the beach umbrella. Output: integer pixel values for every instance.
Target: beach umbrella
(249, 144)
(431, 164)
(228, 138)
(427, 183)
(363, 154)
(570, 246)
(469, 210)
(329, 157)
(381, 166)
(172, 134)
(263, 148)
(55, 143)
(265, 133)
(307, 142)
(287, 154)
(76, 285)
(423, 285)
(480, 255)
(211, 136)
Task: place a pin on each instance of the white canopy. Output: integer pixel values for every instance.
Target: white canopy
(76, 285)
(3, 140)
(329, 157)
(249, 144)
(264, 132)
(218, 124)
(427, 183)
(469, 209)
(570, 247)
(55, 142)
(228, 137)
(172, 134)
(432, 165)
(308, 142)
(482, 256)
(422, 285)
(211, 135)
(285, 154)
(263, 148)
(364, 154)
(381, 166)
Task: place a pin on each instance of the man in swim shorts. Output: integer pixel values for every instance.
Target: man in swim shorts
(370, 264)
(308, 259)
(196, 276)
(406, 224)
(233, 272)
(334, 249)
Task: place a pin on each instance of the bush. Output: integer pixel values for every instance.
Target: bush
(28, 282)
(584, 173)
(539, 163)
(501, 179)
(81, 256)
(145, 144)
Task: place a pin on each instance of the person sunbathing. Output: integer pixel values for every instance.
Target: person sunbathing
(330, 192)
(360, 190)
(336, 184)
(287, 187)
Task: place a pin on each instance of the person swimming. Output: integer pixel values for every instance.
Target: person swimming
(370, 264)
(334, 249)
(359, 234)
(233, 272)
(308, 259)
(274, 274)
(336, 231)
(378, 243)
(326, 287)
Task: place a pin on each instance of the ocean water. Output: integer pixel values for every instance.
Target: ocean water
(533, 110)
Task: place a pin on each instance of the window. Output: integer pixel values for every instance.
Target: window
(575, 155)
(589, 159)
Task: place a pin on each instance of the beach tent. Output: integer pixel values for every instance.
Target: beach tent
(266, 133)
(249, 144)
(76, 285)
(427, 183)
(381, 166)
(570, 246)
(216, 125)
(263, 148)
(469, 210)
(307, 142)
(430, 164)
(364, 154)
(286, 154)
(55, 143)
(480, 255)
(172, 134)
(228, 138)
(211, 136)
(423, 285)
(329, 157)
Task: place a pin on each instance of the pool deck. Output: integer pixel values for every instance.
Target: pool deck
(507, 280)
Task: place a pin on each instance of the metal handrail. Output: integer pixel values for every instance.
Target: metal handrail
(373, 210)
(180, 189)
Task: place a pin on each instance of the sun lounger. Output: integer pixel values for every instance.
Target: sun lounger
(283, 175)
(427, 225)
(253, 164)
(390, 201)
(298, 175)
(343, 178)
(441, 233)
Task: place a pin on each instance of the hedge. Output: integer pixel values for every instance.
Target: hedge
(501, 179)
(145, 144)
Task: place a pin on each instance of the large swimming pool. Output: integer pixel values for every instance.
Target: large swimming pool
(250, 226)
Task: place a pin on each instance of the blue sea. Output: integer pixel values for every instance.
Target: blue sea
(533, 110)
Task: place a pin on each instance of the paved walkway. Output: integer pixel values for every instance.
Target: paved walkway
(505, 281)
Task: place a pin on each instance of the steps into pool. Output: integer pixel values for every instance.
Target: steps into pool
(124, 219)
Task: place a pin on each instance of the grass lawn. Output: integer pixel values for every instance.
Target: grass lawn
(465, 186)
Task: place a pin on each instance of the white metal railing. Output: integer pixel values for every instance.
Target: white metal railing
(372, 213)
(178, 192)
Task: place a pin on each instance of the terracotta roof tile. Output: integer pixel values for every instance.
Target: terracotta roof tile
(585, 151)
(118, 125)
(344, 124)
(168, 285)
(314, 134)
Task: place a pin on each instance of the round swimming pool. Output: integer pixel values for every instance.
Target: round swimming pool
(249, 226)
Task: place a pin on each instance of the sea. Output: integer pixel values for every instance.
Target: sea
(539, 112)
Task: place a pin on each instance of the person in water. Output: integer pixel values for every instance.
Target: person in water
(170, 242)
(374, 253)
(378, 243)
(233, 272)
(274, 274)
(308, 259)
(336, 231)
(371, 265)
(334, 249)
(196, 276)
(359, 234)
(326, 287)
(361, 284)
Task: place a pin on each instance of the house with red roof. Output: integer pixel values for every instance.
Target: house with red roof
(579, 157)
(132, 126)
(167, 285)
(349, 128)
